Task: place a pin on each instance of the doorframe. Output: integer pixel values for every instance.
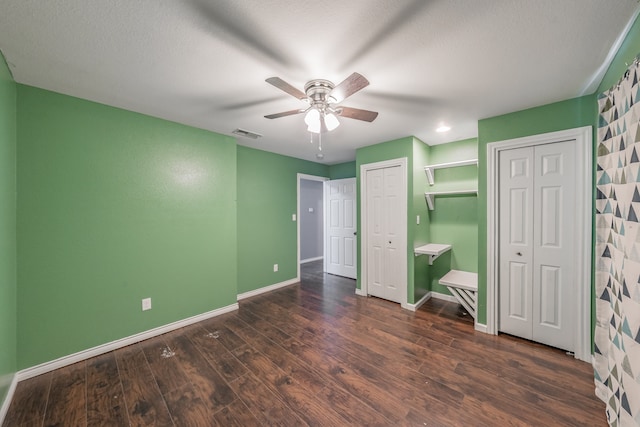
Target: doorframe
(300, 177)
(584, 192)
(364, 264)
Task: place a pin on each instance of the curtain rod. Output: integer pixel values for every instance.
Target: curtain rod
(634, 63)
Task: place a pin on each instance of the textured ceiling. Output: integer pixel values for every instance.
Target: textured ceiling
(204, 62)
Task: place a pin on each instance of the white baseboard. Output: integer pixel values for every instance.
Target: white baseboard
(123, 342)
(304, 261)
(445, 297)
(481, 328)
(416, 306)
(4, 408)
(268, 288)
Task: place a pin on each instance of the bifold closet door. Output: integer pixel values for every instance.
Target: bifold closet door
(537, 238)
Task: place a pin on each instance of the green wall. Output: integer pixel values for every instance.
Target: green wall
(454, 220)
(8, 281)
(419, 234)
(342, 170)
(113, 207)
(267, 198)
(569, 114)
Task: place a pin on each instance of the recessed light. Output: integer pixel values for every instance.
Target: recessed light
(443, 128)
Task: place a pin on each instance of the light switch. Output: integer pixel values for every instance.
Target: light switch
(293, 217)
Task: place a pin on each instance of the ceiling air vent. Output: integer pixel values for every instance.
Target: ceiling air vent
(247, 133)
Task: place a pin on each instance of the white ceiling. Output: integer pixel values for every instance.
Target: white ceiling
(203, 62)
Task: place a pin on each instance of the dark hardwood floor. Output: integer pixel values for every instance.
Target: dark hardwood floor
(317, 354)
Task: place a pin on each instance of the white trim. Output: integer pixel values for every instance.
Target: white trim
(416, 306)
(123, 342)
(269, 288)
(402, 162)
(361, 293)
(304, 261)
(444, 297)
(480, 328)
(8, 398)
(427, 297)
(597, 77)
(301, 176)
(584, 190)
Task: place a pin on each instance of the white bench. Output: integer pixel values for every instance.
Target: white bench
(464, 286)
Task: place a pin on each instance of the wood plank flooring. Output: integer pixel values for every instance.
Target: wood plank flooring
(317, 354)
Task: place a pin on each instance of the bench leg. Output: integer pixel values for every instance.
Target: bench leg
(466, 298)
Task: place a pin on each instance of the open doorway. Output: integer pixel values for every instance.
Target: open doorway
(327, 224)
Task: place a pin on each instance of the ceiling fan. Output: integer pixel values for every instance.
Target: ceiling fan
(323, 97)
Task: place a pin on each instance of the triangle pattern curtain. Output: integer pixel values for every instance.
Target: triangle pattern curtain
(617, 288)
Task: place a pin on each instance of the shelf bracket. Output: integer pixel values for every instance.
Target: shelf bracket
(429, 198)
(429, 172)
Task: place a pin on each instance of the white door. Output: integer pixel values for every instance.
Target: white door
(340, 227)
(386, 238)
(537, 238)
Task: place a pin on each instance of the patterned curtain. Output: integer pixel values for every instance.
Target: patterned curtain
(617, 288)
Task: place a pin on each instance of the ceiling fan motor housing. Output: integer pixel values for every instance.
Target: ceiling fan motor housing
(323, 97)
(317, 92)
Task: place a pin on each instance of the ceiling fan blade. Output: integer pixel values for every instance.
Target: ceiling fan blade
(358, 114)
(286, 87)
(286, 113)
(348, 87)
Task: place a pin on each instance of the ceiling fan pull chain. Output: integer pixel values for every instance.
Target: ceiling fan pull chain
(311, 137)
(320, 141)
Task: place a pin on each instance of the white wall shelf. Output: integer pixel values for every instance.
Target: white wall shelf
(434, 250)
(430, 195)
(430, 169)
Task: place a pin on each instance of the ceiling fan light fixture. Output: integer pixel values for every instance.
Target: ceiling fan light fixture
(312, 119)
(314, 127)
(331, 121)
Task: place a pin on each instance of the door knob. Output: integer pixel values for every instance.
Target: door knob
(355, 233)
(519, 253)
(389, 241)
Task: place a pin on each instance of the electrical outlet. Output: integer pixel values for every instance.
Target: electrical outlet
(275, 267)
(146, 304)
